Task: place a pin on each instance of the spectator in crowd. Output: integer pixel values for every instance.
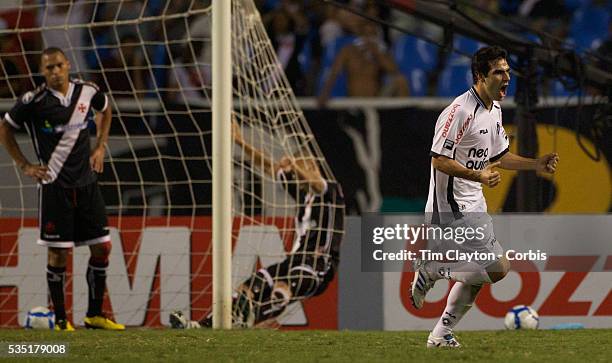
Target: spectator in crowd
(124, 10)
(339, 22)
(330, 28)
(12, 69)
(71, 40)
(108, 36)
(288, 29)
(173, 29)
(374, 11)
(367, 64)
(185, 80)
(122, 75)
(549, 16)
(200, 35)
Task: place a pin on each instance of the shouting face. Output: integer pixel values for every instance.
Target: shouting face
(497, 80)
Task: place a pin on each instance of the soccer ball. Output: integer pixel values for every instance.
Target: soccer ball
(40, 318)
(521, 317)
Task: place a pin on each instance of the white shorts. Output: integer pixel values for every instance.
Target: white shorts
(481, 242)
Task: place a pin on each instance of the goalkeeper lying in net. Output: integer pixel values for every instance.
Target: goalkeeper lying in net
(313, 259)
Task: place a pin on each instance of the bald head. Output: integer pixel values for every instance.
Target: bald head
(50, 51)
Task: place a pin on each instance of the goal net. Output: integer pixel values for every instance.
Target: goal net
(153, 59)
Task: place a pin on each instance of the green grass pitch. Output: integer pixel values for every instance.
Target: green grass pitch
(316, 346)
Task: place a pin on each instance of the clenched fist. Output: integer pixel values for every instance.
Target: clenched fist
(489, 176)
(547, 163)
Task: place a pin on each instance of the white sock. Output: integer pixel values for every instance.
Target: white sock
(470, 273)
(460, 300)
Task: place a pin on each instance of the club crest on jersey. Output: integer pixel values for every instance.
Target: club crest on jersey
(448, 144)
(50, 227)
(27, 97)
(49, 231)
(82, 108)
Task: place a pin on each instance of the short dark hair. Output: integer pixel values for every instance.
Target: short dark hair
(481, 60)
(51, 50)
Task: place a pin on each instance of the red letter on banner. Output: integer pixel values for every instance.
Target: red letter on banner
(558, 302)
(530, 285)
(606, 306)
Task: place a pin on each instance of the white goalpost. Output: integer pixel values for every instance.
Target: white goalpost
(222, 163)
(191, 215)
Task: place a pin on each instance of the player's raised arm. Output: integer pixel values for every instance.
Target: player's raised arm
(255, 156)
(544, 164)
(7, 138)
(336, 69)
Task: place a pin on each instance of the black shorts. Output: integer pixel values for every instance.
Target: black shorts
(70, 217)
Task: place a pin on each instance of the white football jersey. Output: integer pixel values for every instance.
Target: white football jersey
(472, 135)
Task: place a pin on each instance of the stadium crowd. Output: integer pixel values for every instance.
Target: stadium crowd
(326, 51)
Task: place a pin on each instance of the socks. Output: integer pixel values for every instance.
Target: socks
(55, 282)
(96, 281)
(460, 300)
(470, 273)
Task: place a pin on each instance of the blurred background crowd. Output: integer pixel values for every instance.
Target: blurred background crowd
(326, 50)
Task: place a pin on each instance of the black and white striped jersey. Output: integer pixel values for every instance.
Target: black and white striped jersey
(58, 126)
(473, 136)
(319, 222)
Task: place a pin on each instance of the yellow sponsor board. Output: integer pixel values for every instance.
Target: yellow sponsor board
(582, 185)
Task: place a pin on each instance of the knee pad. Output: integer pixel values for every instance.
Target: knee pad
(502, 268)
(303, 281)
